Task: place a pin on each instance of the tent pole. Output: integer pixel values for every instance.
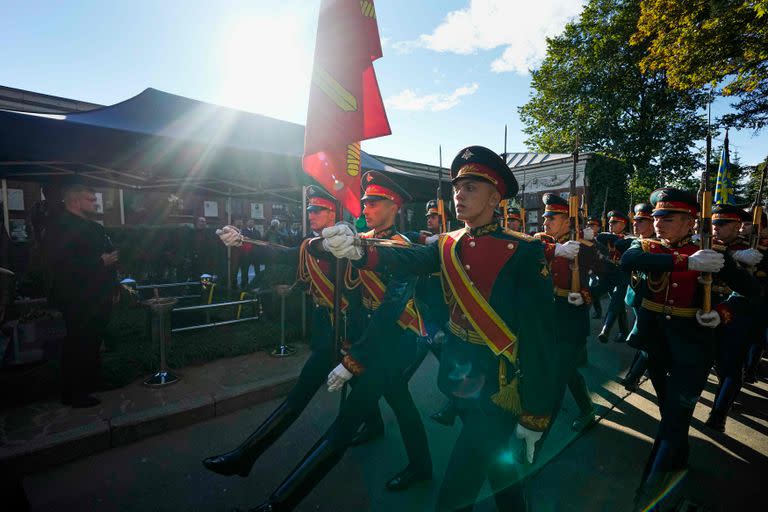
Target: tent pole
(6, 220)
(122, 207)
(229, 249)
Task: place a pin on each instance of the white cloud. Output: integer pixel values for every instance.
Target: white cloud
(410, 100)
(521, 28)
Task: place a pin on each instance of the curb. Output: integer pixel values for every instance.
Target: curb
(104, 434)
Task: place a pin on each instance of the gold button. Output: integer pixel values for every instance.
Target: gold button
(676, 253)
(510, 246)
(472, 244)
(674, 285)
(668, 317)
(466, 267)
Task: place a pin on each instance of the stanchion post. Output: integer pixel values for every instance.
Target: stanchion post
(282, 350)
(160, 321)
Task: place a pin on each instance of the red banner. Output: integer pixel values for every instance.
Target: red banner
(345, 105)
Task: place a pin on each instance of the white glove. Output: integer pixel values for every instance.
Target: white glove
(431, 239)
(711, 319)
(529, 438)
(588, 233)
(706, 260)
(575, 299)
(340, 240)
(749, 257)
(338, 377)
(569, 250)
(231, 236)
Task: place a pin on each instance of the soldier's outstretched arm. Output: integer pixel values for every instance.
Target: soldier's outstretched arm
(635, 258)
(414, 260)
(739, 280)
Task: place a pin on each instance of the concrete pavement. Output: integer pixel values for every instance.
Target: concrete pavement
(595, 471)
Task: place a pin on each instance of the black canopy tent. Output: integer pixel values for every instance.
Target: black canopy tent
(161, 141)
(158, 140)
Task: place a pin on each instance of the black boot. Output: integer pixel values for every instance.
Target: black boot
(636, 371)
(610, 319)
(366, 434)
(716, 421)
(304, 477)
(446, 416)
(408, 477)
(240, 460)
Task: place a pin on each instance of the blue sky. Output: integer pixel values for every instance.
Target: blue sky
(453, 71)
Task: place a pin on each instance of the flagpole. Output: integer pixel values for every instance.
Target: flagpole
(337, 294)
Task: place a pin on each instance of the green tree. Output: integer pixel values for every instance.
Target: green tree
(701, 42)
(590, 82)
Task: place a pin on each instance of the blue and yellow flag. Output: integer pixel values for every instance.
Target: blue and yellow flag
(724, 185)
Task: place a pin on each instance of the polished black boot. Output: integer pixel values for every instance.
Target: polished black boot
(408, 477)
(636, 371)
(304, 477)
(446, 416)
(716, 421)
(366, 434)
(240, 460)
(610, 319)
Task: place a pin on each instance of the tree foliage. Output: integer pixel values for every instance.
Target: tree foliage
(590, 82)
(700, 42)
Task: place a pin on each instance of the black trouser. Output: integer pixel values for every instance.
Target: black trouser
(86, 322)
(477, 455)
(732, 349)
(679, 359)
(330, 448)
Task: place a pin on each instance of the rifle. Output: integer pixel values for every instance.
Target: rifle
(757, 212)
(573, 213)
(440, 203)
(705, 226)
(504, 203)
(522, 203)
(604, 215)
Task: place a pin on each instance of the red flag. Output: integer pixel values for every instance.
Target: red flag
(345, 105)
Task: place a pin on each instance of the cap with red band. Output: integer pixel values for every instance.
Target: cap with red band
(481, 163)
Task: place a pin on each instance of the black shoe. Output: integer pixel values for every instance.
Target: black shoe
(408, 477)
(750, 378)
(445, 416)
(620, 338)
(366, 435)
(602, 337)
(716, 421)
(84, 401)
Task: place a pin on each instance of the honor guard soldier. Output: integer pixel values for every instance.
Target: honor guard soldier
(376, 361)
(758, 344)
(617, 281)
(642, 228)
(595, 223)
(677, 334)
(741, 320)
(514, 220)
(572, 300)
(319, 276)
(496, 359)
(596, 288)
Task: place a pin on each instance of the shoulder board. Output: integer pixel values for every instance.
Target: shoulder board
(646, 244)
(587, 243)
(719, 248)
(400, 238)
(519, 235)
